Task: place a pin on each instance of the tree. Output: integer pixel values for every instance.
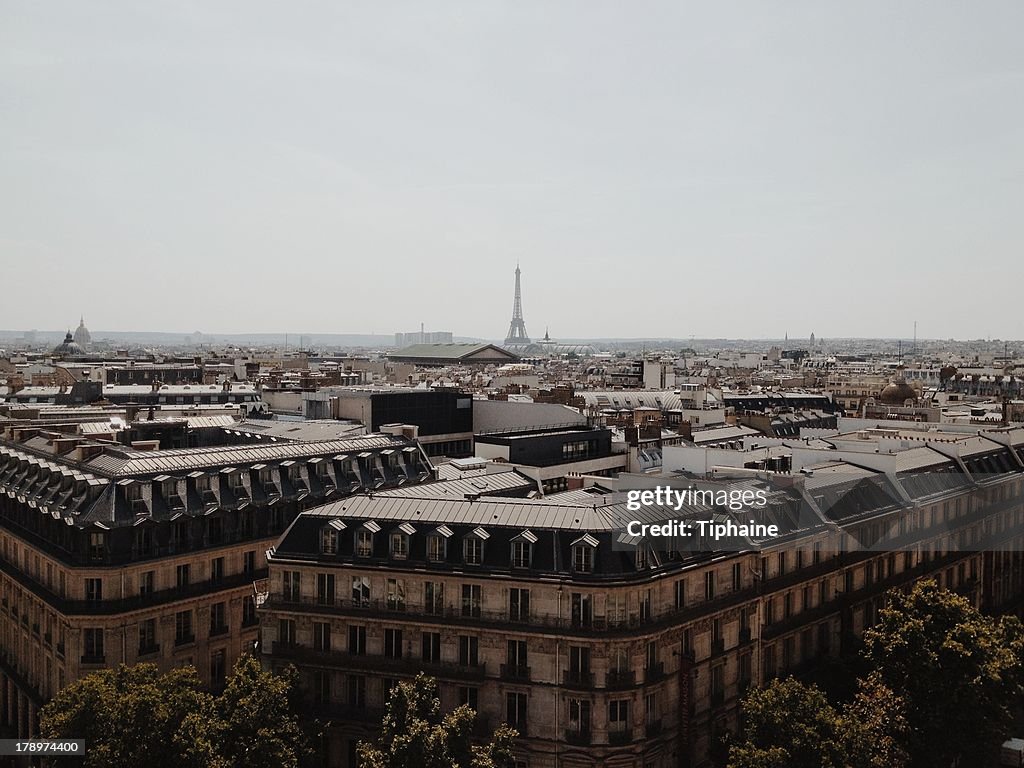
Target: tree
(258, 720)
(415, 734)
(132, 716)
(958, 672)
(792, 725)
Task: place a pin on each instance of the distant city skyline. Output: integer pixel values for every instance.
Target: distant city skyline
(672, 170)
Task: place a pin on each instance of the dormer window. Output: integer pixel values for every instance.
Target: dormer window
(203, 483)
(400, 541)
(522, 549)
(583, 554)
(328, 540)
(364, 543)
(437, 544)
(473, 546)
(641, 558)
(235, 480)
(364, 538)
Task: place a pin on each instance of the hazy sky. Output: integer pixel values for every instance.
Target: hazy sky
(658, 169)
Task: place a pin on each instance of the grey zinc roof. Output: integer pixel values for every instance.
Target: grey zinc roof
(476, 485)
(122, 463)
(451, 350)
(514, 513)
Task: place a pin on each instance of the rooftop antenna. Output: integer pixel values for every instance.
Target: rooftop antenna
(915, 338)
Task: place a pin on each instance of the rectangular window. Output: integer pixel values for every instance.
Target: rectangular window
(395, 595)
(518, 604)
(361, 591)
(291, 586)
(433, 598)
(183, 628)
(583, 558)
(328, 541)
(680, 594)
(248, 611)
(436, 548)
(249, 562)
(218, 618)
(521, 553)
(618, 715)
(217, 570)
(393, 643)
(399, 546)
(582, 610)
(471, 600)
(357, 640)
(515, 711)
(737, 577)
(431, 647)
(356, 685)
(469, 651)
(709, 585)
(94, 590)
(93, 644)
(286, 631)
(325, 588)
(469, 696)
(183, 575)
(473, 550)
(579, 716)
(364, 543)
(147, 636)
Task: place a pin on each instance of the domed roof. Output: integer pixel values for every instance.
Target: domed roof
(897, 392)
(82, 335)
(68, 348)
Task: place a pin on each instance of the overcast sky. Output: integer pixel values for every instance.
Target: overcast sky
(658, 169)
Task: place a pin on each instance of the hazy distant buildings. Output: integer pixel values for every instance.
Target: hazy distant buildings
(422, 337)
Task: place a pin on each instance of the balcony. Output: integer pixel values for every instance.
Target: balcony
(616, 679)
(148, 649)
(578, 737)
(381, 664)
(515, 672)
(620, 737)
(218, 630)
(654, 672)
(576, 678)
(181, 640)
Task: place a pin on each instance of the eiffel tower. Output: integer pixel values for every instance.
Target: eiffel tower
(517, 331)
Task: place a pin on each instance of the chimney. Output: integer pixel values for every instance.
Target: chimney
(86, 451)
(146, 445)
(64, 445)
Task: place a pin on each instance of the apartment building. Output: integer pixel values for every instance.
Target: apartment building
(607, 649)
(112, 555)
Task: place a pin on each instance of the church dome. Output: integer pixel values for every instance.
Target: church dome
(897, 392)
(82, 335)
(69, 348)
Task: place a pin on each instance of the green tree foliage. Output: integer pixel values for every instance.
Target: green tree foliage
(415, 734)
(135, 716)
(792, 725)
(256, 713)
(958, 672)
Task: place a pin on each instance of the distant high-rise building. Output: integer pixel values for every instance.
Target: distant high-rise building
(517, 330)
(422, 337)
